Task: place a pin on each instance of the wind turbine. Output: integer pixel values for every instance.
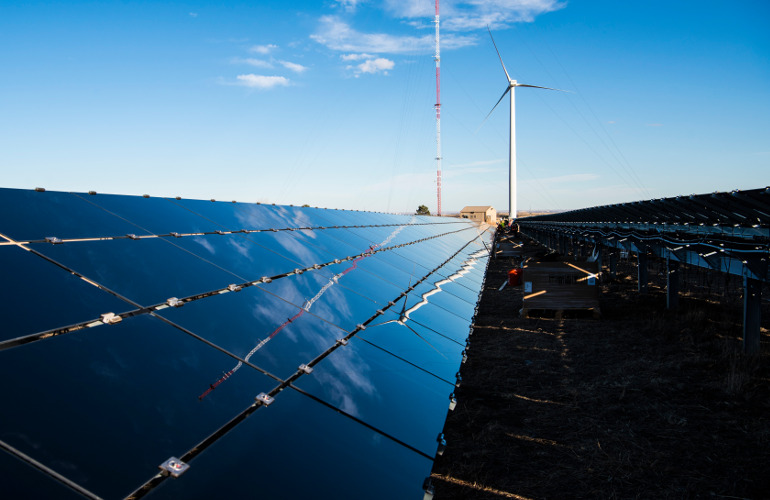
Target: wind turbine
(512, 84)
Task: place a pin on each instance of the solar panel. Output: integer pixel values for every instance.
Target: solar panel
(182, 348)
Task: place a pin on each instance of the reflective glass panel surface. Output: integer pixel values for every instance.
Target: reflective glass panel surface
(329, 298)
(424, 348)
(430, 291)
(21, 480)
(37, 295)
(442, 321)
(248, 257)
(298, 448)
(261, 328)
(109, 404)
(147, 271)
(29, 215)
(374, 386)
(155, 215)
(106, 405)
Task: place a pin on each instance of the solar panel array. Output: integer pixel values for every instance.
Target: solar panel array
(743, 214)
(175, 348)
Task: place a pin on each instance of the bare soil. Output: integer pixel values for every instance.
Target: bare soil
(642, 403)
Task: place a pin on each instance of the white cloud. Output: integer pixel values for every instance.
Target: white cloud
(263, 49)
(193, 14)
(297, 68)
(379, 65)
(257, 63)
(355, 57)
(349, 5)
(338, 35)
(465, 15)
(262, 82)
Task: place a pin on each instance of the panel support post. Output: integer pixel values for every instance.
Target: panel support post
(641, 259)
(672, 284)
(752, 309)
(599, 263)
(613, 264)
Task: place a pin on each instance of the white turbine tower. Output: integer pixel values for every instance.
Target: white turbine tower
(512, 144)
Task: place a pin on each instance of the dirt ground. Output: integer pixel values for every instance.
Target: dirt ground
(642, 403)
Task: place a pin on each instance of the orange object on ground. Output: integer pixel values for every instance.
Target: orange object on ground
(514, 276)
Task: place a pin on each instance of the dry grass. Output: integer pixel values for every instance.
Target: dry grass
(644, 403)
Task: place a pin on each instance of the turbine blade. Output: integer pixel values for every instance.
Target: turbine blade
(539, 87)
(383, 323)
(423, 339)
(498, 54)
(493, 108)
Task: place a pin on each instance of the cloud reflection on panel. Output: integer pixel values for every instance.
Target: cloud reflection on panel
(295, 290)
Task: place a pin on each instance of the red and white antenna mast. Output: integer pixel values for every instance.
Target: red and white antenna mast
(438, 118)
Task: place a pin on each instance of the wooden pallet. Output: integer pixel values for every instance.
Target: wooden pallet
(559, 288)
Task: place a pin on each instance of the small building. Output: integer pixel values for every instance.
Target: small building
(480, 213)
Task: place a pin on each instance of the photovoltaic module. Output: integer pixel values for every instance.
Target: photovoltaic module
(174, 348)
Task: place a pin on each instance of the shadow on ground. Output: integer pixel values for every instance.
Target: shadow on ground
(643, 403)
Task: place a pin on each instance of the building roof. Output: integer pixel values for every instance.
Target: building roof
(476, 208)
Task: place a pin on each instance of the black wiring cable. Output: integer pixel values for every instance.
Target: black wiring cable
(405, 360)
(361, 422)
(20, 455)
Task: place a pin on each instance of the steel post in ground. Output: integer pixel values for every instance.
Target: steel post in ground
(613, 264)
(672, 284)
(642, 274)
(752, 312)
(599, 261)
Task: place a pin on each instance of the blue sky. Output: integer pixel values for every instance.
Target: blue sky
(330, 103)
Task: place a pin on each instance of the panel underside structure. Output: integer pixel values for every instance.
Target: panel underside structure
(169, 348)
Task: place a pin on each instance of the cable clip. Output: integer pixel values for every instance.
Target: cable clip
(427, 487)
(111, 318)
(174, 302)
(264, 399)
(53, 240)
(441, 444)
(305, 368)
(174, 467)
